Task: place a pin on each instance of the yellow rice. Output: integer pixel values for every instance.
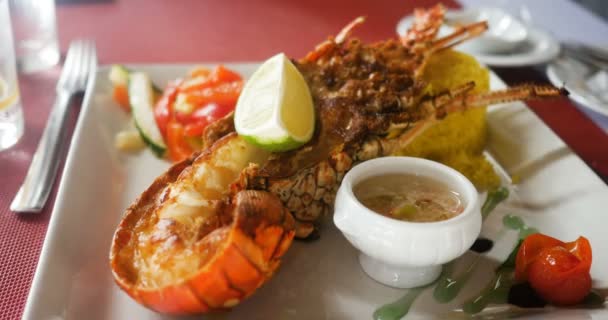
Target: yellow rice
(459, 140)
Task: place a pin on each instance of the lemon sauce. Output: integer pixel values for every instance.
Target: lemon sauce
(409, 197)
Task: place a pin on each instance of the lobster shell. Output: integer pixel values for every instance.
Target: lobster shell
(246, 251)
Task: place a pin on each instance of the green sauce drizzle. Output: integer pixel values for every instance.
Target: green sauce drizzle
(516, 223)
(497, 290)
(448, 286)
(398, 309)
(492, 200)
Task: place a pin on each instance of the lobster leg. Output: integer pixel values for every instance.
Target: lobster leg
(328, 45)
(521, 92)
(460, 100)
(435, 107)
(425, 27)
(346, 31)
(461, 34)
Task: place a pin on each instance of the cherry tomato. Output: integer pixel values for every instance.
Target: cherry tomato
(528, 252)
(163, 109)
(178, 147)
(558, 271)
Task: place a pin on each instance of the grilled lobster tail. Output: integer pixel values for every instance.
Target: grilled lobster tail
(250, 234)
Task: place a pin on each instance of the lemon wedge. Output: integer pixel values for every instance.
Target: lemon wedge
(275, 109)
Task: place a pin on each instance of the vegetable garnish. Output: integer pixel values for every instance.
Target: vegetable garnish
(558, 271)
(188, 106)
(180, 113)
(121, 96)
(119, 77)
(141, 99)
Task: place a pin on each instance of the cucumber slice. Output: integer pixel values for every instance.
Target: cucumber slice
(141, 98)
(119, 75)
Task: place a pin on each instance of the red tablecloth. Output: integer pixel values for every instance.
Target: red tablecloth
(166, 31)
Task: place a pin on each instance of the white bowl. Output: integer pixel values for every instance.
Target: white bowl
(505, 33)
(399, 253)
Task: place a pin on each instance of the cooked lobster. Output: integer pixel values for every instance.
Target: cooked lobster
(212, 229)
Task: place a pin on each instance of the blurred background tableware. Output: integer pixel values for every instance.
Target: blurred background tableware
(509, 42)
(593, 56)
(585, 77)
(35, 32)
(11, 115)
(505, 33)
(567, 22)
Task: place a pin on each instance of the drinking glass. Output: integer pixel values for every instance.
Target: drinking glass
(11, 115)
(35, 33)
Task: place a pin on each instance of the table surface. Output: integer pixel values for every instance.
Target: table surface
(165, 31)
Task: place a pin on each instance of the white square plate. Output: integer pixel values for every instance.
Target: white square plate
(558, 194)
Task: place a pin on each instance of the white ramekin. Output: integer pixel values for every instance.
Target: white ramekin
(399, 253)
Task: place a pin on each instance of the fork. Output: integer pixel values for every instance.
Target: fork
(80, 65)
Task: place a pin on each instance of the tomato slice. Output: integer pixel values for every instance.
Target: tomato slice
(200, 72)
(164, 107)
(195, 123)
(202, 79)
(208, 113)
(222, 94)
(195, 129)
(212, 112)
(558, 271)
(223, 74)
(197, 83)
(210, 95)
(178, 147)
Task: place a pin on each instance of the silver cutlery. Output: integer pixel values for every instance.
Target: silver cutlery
(586, 55)
(598, 52)
(80, 65)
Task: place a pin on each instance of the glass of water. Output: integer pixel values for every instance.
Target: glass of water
(35, 33)
(11, 115)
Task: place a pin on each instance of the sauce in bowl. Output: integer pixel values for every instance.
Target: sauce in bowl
(409, 197)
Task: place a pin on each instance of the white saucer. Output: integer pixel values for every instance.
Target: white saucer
(587, 86)
(539, 48)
